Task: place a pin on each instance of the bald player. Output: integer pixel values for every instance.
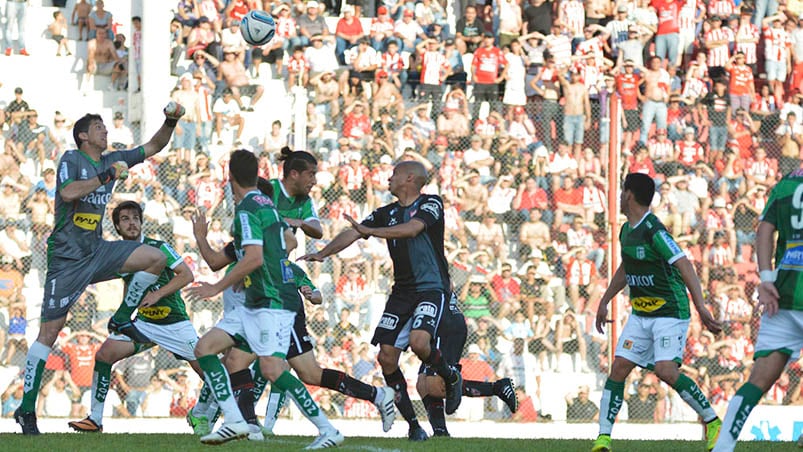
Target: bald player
(413, 227)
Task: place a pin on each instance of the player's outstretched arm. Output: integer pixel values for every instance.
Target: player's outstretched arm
(173, 112)
(339, 243)
(765, 247)
(693, 284)
(182, 278)
(618, 282)
(250, 262)
(406, 230)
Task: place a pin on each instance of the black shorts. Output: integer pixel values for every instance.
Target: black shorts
(406, 311)
(300, 340)
(633, 121)
(451, 340)
(248, 90)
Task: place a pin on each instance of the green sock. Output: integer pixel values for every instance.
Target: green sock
(260, 382)
(101, 379)
(694, 397)
(218, 380)
(34, 367)
(137, 289)
(298, 392)
(610, 404)
(201, 407)
(276, 400)
(739, 410)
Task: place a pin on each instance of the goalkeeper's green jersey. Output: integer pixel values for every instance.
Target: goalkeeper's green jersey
(170, 308)
(784, 210)
(656, 287)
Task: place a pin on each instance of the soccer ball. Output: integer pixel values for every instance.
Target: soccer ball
(257, 27)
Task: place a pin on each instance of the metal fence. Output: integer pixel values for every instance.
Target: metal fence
(527, 238)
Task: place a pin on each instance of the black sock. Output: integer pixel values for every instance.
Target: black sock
(436, 362)
(242, 384)
(399, 384)
(345, 384)
(473, 388)
(434, 406)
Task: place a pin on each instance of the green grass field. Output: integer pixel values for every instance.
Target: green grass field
(170, 443)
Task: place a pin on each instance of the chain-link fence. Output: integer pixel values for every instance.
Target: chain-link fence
(527, 223)
(527, 237)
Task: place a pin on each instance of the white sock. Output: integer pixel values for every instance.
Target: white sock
(137, 287)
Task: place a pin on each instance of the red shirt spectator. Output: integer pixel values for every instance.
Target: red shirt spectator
(741, 80)
(474, 368)
(505, 286)
(572, 196)
(668, 12)
(689, 152)
(487, 62)
(580, 271)
(356, 124)
(82, 359)
(627, 85)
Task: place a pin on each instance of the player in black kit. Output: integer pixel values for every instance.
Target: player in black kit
(413, 227)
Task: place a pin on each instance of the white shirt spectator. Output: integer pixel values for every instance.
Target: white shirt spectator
(409, 31)
(120, 135)
(157, 402)
(475, 155)
(368, 58)
(226, 109)
(322, 59)
(112, 401)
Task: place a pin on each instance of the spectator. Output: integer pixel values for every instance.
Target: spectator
(158, 396)
(579, 408)
(570, 339)
(311, 23)
(119, 135)
(102, 59)
(80, 17)
(468, 31)
(353, 294)
(16, 12)
(58, 396)
(776, 51)
(477, 297)
(232, 71)
(58, 32)
(11, 399)
(488, 69)
(348, 32)
(644, 406)
(11, 280)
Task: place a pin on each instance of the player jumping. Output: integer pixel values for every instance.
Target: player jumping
(413, 227)
(780, 336)
(266, 319)
(657, 272)
(162, 316)
(77, 254)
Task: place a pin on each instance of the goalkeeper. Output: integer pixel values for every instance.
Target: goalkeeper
(77, 254)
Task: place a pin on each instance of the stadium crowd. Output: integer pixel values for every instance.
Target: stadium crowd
(508, 107)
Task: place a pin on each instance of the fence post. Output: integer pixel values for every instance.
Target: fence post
(614, 152)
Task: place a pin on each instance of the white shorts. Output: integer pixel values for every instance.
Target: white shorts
(178, 338)
(268, 331)
(776, 70)
(782, 332)
(232, 299)
(647, 340)
(231, 323)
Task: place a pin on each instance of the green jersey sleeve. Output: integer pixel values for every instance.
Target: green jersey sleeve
(301, 277)
(173, 258)
(308, 211)
(250, 228)
(770, 213)
(666, 247)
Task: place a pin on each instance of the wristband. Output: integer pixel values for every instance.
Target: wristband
(106, 176)
(767, 276)
(171, 122)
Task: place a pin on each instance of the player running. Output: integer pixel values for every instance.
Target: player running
(300, 355)
(451, 340)
(413, 227)
(265, 321)
(780, 336)
(77, 254)
(657, 272)
(161, 316)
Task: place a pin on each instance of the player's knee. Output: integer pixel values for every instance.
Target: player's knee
(202, 348)
(388, 363)
(420, 344)
(667, 371)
